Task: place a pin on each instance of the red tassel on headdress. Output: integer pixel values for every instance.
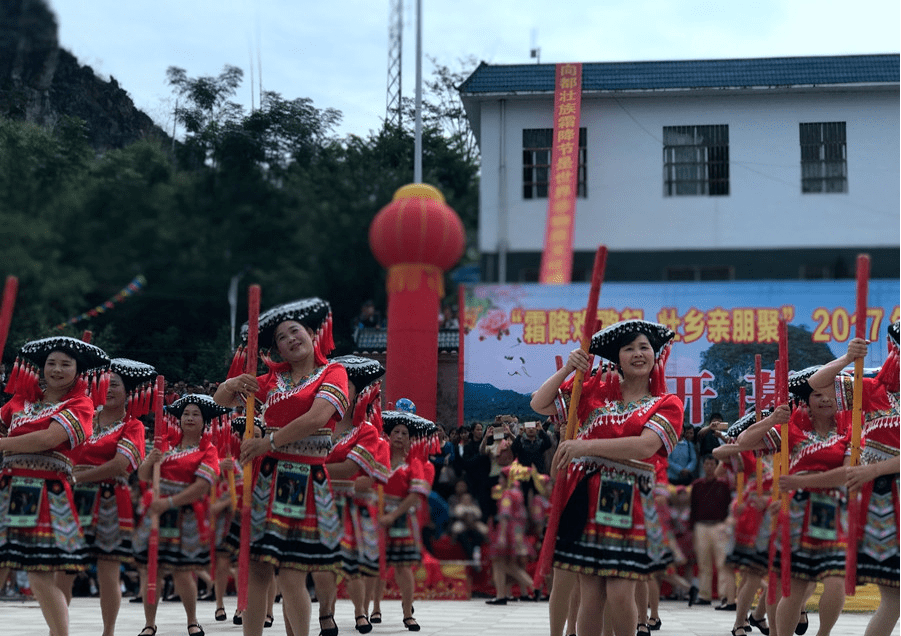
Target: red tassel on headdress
(104, 385)
(323, 342)
(888, 375)
(658, 376)
(238, 362)
(12, 381)
(327, 343)
(613, 390)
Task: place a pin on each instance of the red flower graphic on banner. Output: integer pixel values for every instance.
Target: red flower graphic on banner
(494, 323)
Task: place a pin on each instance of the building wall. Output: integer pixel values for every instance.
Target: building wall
(626, 208)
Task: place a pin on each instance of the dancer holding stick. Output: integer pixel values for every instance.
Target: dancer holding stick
(877, 556)
(819, 437)
(187, 471)
(41, 426)
(565, 582)
(304, 396)
(358, 461)
(752, 528)
(103, 465)
(604, 530)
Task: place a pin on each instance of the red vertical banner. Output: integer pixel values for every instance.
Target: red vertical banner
(563, 179)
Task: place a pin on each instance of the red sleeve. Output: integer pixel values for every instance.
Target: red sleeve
(208, 468)
(132, 443)
(419, 481)
(666, 422)
(366, 453)
(333, 388)
(77, 418)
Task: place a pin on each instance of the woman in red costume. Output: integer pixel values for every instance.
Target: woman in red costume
(750, 554)
(189, 466)
(358, 460)
(509, 550)
(303, 397)
(407, 488)
(819, 448)
(48, 417)
(602, 526)
(102, 494)
(877, 475)
(223, 512)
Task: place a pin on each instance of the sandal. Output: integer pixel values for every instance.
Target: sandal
(801, 627)
(642, 630)
(220, 614)
(330, 631)
(269, 620)
(740, 631)
(759, 624)
(238, 618)
(366, 627)
(152, 631)
(411, 624)
(654, 624)
(375, 618)
(199, 631)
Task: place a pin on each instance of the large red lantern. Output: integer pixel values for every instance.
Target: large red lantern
(416, 237)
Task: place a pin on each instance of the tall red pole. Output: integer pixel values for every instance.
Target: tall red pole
(253, 332)
(784, 512)
(153, 544)
(758, 414)
(10, 288)
(860, 331)
(588, 328)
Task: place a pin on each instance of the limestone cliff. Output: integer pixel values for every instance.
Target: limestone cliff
(39, 82)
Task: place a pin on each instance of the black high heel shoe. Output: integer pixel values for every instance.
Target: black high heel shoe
(330, 631)
(366, 627)
(759, 624)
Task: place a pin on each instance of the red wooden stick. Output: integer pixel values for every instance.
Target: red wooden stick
(860, 331)
(153, 544)
(784, 512)
(557, 494)
(588, 328)
(10, 288)
(758, 413)
(253, 329)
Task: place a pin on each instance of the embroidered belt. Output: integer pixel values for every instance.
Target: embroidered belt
(43, 463)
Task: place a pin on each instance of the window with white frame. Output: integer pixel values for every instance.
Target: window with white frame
(536, 162)
(824, 157)
(696, 160)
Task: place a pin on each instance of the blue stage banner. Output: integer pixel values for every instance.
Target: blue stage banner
(514, 333)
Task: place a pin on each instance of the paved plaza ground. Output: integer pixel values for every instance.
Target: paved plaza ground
(444, 618)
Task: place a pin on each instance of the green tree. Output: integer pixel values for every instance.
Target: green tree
(204, 109)
(39, 172)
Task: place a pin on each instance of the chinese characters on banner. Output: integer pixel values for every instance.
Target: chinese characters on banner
(514, 332)
(557, 258)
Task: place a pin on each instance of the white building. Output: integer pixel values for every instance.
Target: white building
(698, 170)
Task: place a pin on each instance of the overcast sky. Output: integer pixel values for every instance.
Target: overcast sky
(336, 51)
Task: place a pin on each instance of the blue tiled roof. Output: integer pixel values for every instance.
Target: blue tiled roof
(613, 76)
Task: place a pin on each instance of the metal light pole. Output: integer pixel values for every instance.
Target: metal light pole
(417, 148)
